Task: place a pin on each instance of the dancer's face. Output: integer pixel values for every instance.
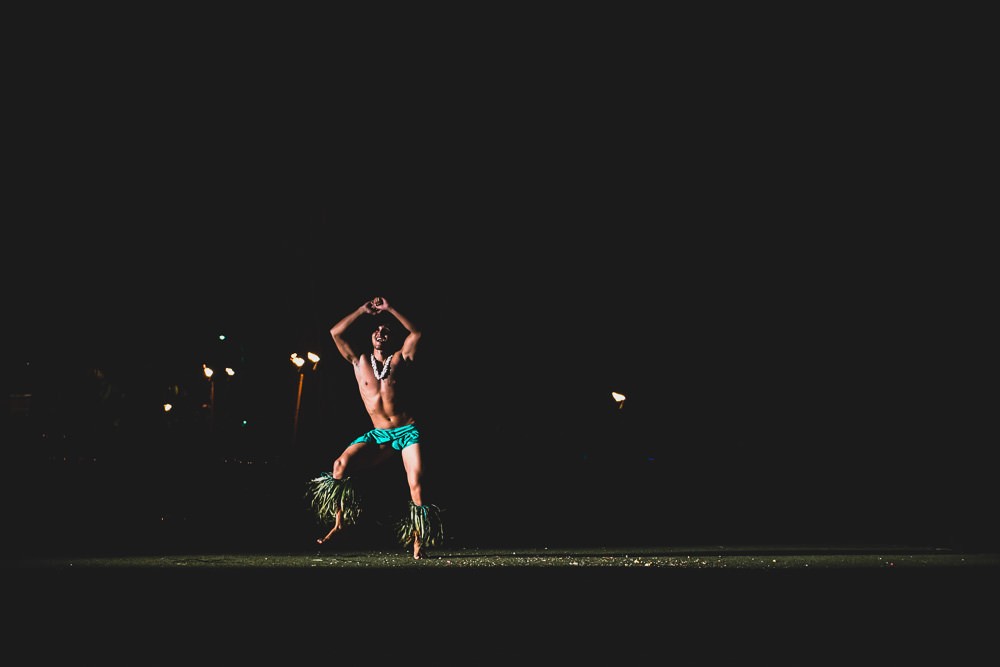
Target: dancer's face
(381, 336)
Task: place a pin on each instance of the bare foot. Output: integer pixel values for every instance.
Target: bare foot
(418, 550)
(337, 526)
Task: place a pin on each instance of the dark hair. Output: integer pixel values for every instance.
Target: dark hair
(381, 319)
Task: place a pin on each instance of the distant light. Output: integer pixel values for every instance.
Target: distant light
(230, 372)
(167, 407)
(208, 371)
(245, 422)
(619, 399)
(313, 357)
(222, 336)
(297, 360)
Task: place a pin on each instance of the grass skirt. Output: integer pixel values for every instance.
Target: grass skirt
(423, 521)
(329, 496)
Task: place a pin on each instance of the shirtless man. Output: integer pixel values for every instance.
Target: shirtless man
(395, 430)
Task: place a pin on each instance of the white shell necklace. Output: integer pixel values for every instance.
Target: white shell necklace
(385, 369)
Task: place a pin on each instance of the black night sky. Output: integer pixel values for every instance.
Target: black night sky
(777, 281)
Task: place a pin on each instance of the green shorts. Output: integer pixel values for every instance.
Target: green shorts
(400, 437)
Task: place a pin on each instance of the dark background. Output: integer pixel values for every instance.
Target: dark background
(773, 252)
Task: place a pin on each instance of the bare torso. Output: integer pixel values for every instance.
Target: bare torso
(386, 408)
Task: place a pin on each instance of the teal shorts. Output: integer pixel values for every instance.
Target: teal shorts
(400, 437)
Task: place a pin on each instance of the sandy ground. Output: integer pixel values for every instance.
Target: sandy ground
(792, 558)
(787, 604)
